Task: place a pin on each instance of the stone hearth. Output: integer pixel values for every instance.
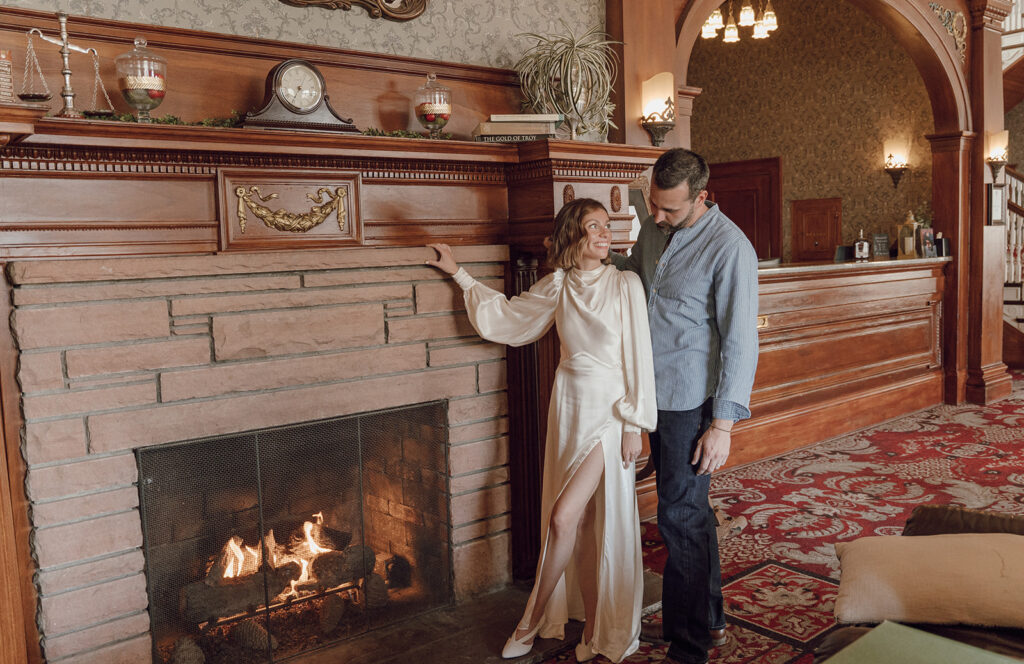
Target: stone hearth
(115, 355)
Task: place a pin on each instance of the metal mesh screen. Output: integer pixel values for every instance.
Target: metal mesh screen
(269, 543)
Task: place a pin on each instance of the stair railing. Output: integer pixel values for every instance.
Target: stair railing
(1014, 227)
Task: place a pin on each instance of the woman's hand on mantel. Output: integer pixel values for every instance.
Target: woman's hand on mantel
(446, 261)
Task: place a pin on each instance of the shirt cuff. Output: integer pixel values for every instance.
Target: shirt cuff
(629, 428)
(463, 279)
(722, 409)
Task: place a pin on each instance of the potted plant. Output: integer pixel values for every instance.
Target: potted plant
(573, 76)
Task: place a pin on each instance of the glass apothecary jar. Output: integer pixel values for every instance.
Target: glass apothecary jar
(142, 78)
(433, 105)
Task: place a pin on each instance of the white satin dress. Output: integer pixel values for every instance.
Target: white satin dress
(604, 385)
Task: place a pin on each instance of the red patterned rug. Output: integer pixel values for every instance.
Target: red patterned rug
(780, 573)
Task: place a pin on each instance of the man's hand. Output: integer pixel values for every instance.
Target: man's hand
(631, 447)
(713, 447)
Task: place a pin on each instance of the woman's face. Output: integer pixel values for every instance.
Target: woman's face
(598, 229)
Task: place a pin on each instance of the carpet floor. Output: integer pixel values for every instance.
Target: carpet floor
(780, 573)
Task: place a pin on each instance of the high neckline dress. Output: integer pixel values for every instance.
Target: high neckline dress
(604, 385)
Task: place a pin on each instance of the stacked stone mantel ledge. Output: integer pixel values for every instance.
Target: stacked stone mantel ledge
(117, 354)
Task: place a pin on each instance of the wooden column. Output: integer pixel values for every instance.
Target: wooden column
(987, 379)
(951, 158)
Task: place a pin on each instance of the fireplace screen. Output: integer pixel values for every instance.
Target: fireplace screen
(266, 544)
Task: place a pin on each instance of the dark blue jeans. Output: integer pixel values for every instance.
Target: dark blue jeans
(692, 587)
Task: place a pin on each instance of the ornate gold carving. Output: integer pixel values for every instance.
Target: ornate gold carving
(955, 24)
(568, 193)
(292, 222)
(400, 11)
(616, 199)
(762, 321)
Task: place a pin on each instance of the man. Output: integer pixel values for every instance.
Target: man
(700, 273)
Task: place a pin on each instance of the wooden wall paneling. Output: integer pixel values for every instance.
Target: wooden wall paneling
(19, 638)
(375, 90)
(1013, 346)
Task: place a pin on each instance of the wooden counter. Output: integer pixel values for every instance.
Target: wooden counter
(842, 346)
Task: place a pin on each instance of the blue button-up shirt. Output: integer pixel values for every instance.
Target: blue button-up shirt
(701, 285)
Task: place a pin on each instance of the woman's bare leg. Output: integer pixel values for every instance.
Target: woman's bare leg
(586, 562)
(562, 529)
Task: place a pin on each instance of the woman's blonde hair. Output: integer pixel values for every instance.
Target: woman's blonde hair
(569, 237)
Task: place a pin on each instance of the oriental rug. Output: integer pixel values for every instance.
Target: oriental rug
(780, 573)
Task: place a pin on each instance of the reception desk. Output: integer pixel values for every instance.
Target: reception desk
(842, 346)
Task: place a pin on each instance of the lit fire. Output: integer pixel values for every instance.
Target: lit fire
(239, 559)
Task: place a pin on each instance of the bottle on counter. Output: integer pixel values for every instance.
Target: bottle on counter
(862, 248)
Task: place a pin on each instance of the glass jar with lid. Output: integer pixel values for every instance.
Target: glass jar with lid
(142, 78)
(433, 105)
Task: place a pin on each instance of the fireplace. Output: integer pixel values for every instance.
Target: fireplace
(132, 361)
(265, 544)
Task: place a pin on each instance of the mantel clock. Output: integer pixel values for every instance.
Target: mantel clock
(296, 98)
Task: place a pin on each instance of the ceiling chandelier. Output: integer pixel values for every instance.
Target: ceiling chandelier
(763, 21)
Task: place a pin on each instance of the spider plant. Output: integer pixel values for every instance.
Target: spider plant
(571, 75)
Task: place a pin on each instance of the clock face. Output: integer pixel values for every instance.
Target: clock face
(299, 87)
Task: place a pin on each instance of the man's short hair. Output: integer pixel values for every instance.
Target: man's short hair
(679, 165)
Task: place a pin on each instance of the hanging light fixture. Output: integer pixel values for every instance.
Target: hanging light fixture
(771, 22)
(732, 33)
(747, 14)
(708, 30)
(760, 29)
(716, 19)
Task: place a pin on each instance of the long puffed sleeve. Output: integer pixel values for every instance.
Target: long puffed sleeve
(517, 321)
(639, 407)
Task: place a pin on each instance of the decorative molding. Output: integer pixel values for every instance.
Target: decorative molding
(956, 25)
(291, 222)
(164, 163)
(568, 194)
(403, 11)
(576, 170)
(616, 199)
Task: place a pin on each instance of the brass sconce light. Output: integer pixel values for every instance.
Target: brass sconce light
(996, 153)
(895, 167)
(658, 96)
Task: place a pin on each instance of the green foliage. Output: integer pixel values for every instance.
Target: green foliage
(923, 215)
(402, 133)
(234, 121)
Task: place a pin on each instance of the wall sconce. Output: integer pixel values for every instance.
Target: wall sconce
(997, 153)
(658, 95)
(895, 167)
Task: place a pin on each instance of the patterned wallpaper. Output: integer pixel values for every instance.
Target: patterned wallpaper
(825, 93)
(479, 32)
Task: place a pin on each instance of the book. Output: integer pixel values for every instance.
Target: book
(514, 128)
(557, 118)
(511, 138)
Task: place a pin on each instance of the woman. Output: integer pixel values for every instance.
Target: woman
(602, 398)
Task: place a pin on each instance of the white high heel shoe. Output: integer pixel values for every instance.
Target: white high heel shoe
(585, 651)
(518, 647)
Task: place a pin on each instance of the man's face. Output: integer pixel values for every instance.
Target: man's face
(672, 208)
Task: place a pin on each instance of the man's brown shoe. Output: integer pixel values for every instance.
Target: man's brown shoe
(718, 637)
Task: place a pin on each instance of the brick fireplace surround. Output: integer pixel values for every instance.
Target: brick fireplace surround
(126, 353)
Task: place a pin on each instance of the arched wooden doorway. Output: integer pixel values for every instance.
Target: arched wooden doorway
(953, 143)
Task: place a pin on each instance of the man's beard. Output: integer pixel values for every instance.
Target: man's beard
(666, 227)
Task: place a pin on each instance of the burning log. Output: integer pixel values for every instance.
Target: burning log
(187, 652)
(376, 590)
(252, 636)
(331, 612)
(359, 561)
(202, 602)
(330, 569)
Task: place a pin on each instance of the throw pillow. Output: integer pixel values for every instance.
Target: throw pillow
(944, 519)
(972, 579)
